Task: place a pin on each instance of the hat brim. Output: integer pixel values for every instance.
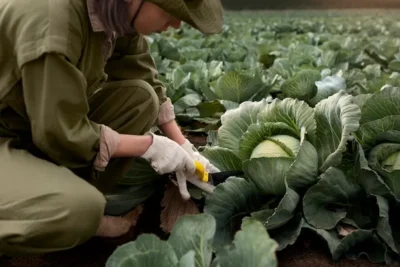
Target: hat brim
(204, 15)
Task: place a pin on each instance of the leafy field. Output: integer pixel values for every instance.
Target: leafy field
(273, 55)
(307, 106)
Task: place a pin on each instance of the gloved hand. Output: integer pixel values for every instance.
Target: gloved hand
(195, 154)
(183, 177)
(167, 156)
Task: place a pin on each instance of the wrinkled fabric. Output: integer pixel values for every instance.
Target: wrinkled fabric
(97, 26)
(64, 98)
(126, 107)
(46, 207)
(109, 142)
(57, 55)
(167, 113)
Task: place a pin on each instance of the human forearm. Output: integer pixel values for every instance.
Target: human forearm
(172, 131)
(132, 145)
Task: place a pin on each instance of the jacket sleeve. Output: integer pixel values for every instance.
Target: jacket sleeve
(131, 59)
(54, 92)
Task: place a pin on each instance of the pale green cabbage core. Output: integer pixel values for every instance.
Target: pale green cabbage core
(271, 149)
(392, 163)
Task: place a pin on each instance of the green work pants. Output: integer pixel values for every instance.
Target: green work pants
(45, 207)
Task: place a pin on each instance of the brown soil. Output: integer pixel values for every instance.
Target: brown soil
(307, 251)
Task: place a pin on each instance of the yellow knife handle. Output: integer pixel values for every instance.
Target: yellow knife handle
(201, 171)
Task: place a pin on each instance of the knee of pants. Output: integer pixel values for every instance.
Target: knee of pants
(83, 213)
(66, 219)
(151, 105)
(144, 105)
(127, 106)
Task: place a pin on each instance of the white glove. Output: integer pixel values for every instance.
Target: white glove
(183, 177)
(195, 154)
(167, 156)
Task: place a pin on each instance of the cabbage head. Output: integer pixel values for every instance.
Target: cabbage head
(284, 143)
(282, 147)
(277, 146)
(379, 134)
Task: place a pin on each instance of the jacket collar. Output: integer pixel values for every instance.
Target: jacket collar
(95, 21)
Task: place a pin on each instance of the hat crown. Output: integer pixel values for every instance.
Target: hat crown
(204, 15)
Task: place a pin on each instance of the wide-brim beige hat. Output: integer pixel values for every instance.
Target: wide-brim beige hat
(204, 15)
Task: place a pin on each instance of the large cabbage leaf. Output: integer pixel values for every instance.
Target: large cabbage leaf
(251, 247)
(236, 121)
(302, 85)
(349, 208)
(337, 117)
(189, 245)
(379, 134)
(236, 87)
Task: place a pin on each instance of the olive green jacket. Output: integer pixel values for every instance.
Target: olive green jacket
(53, 108)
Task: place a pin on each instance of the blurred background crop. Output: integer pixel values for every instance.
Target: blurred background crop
(309, 4)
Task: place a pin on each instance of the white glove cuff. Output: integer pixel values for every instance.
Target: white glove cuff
(150, 152)
(166, 113)
(188, 146)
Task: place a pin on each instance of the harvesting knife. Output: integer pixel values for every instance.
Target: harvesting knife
(204, 180)
(214, 178)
